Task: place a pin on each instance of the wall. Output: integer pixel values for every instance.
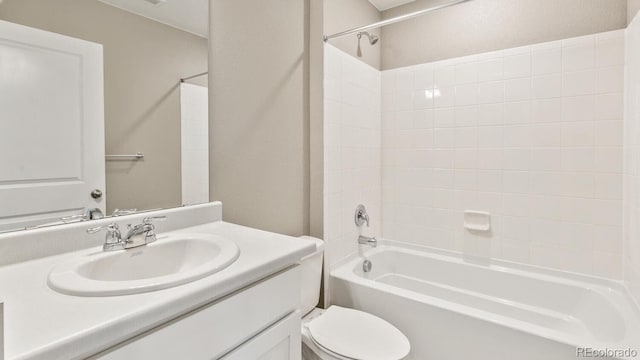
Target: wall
(632, 9)
(341, 15)
(143, 61)
(531, 134)
(352, 151)
(258, 102)
(488, 25)
(316, 119)
(631, 202)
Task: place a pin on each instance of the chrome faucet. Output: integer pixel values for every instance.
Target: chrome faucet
(87, 214)
(123, 212)
(138, 235)
(365, 240)
(142, 234)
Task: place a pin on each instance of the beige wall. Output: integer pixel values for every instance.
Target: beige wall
(144, 61)
(258, 113)
(632, 9)
(341, 15)
(487, 25)
(316, 119)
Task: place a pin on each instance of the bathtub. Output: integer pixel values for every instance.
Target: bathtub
(453, 308)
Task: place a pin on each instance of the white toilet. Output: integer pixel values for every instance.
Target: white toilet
(341, 333)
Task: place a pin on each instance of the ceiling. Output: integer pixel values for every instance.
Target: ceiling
(188, 15)
(383, 5)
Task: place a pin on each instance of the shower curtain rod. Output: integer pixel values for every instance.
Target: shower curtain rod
(194, 76)
(393, 20)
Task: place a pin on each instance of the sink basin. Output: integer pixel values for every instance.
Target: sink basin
(170, 261)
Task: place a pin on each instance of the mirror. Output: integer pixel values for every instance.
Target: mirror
(103, 106)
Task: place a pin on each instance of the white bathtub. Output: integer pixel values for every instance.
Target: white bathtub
(451, 308)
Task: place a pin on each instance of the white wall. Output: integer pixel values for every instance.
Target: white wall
(632, 160)
(352, 150)
(532, 135)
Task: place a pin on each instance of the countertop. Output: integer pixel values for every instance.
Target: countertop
(40, 323)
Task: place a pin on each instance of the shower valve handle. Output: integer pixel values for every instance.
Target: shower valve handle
(361, 217)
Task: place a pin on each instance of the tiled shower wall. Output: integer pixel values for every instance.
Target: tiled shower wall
(532, 135)
(352, 150)
(631, 203)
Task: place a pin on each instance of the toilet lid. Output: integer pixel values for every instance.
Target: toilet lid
(358, 335)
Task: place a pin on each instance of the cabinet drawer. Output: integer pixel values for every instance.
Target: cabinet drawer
(215, 329)
(279, 342)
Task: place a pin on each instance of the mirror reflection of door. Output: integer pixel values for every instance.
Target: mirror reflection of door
(51, 126)
(147, 48)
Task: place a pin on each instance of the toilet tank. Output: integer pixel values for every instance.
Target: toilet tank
(311, 270)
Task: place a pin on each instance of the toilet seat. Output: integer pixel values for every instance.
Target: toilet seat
(357, 335)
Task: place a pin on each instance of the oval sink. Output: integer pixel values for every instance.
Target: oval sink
(168, 262)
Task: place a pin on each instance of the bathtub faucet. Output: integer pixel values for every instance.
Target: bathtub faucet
(364, 240)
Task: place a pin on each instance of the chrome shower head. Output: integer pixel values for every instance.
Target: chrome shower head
(372, 38)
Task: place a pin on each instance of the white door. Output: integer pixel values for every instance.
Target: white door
(51, 126)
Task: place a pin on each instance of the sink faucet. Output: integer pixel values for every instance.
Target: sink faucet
(138, 235)
(142, 234)
(87, 214)
(365, 240)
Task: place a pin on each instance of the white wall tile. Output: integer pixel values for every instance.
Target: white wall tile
(546, 62)
(518, 89)
(578, 108)
(547, 110)
(517, 66)
(491, 114)
(578, 134)
(466, 95)
(445, 76)
(610, 79)
(466, 73)
(444, 96)
(532, 134)
(491, 92)
(610, 51)
(466, 116)
(490, 70)
(579, 57)
(578, 83)
(609, 106)
(548, 86)
(423, 78)
(518, 112)
(354, 137)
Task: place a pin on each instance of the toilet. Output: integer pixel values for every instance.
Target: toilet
(339, 333)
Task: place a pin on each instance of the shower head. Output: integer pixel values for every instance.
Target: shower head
(372, 38)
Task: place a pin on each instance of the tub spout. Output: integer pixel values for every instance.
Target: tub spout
(364, 240)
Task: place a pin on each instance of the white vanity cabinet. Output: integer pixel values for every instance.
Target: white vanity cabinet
(261, 321)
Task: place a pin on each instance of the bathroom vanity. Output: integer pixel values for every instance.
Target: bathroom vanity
(248, 310)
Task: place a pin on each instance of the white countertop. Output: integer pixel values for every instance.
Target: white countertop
(43, 324)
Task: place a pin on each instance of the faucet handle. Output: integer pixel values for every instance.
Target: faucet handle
(149, 219)
(361, 216)
(73, 218)
(113, 239)
(122, 212)
(110, 227)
